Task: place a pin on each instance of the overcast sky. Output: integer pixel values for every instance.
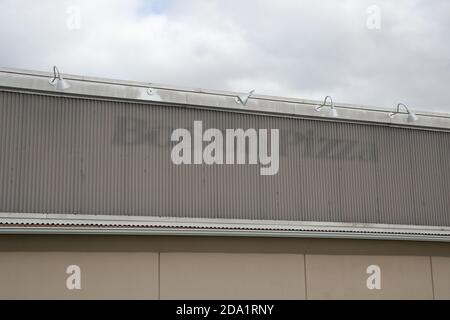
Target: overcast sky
(364, 52)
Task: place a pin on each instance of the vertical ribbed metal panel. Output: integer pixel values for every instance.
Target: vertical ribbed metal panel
(74, 155)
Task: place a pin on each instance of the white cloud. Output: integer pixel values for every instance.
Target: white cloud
(295, 48)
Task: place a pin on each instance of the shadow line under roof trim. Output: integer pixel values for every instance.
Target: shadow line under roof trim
(22, 223)
(98, 88)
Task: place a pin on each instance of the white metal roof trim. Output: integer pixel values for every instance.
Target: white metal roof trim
(9, 221)
(37, 81)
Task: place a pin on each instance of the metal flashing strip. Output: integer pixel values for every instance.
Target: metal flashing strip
(36, 223)
(141, 92)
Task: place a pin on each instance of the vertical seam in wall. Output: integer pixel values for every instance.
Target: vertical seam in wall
(159, 275)
(432, 278)
(304, 269)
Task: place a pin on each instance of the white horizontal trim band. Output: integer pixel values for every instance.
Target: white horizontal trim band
(107, 224)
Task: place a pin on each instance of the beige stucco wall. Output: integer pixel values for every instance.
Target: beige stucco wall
(345, 276)
(441, 277)
(232, 276)
(153, 267)
(104, 275)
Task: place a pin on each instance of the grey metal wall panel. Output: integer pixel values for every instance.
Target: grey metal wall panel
(75, 155)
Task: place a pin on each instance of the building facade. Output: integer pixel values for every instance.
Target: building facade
(116, 189)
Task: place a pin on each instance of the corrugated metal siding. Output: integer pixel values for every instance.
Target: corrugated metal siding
(70, 155)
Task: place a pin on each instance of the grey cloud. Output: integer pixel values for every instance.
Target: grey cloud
(305, 49)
